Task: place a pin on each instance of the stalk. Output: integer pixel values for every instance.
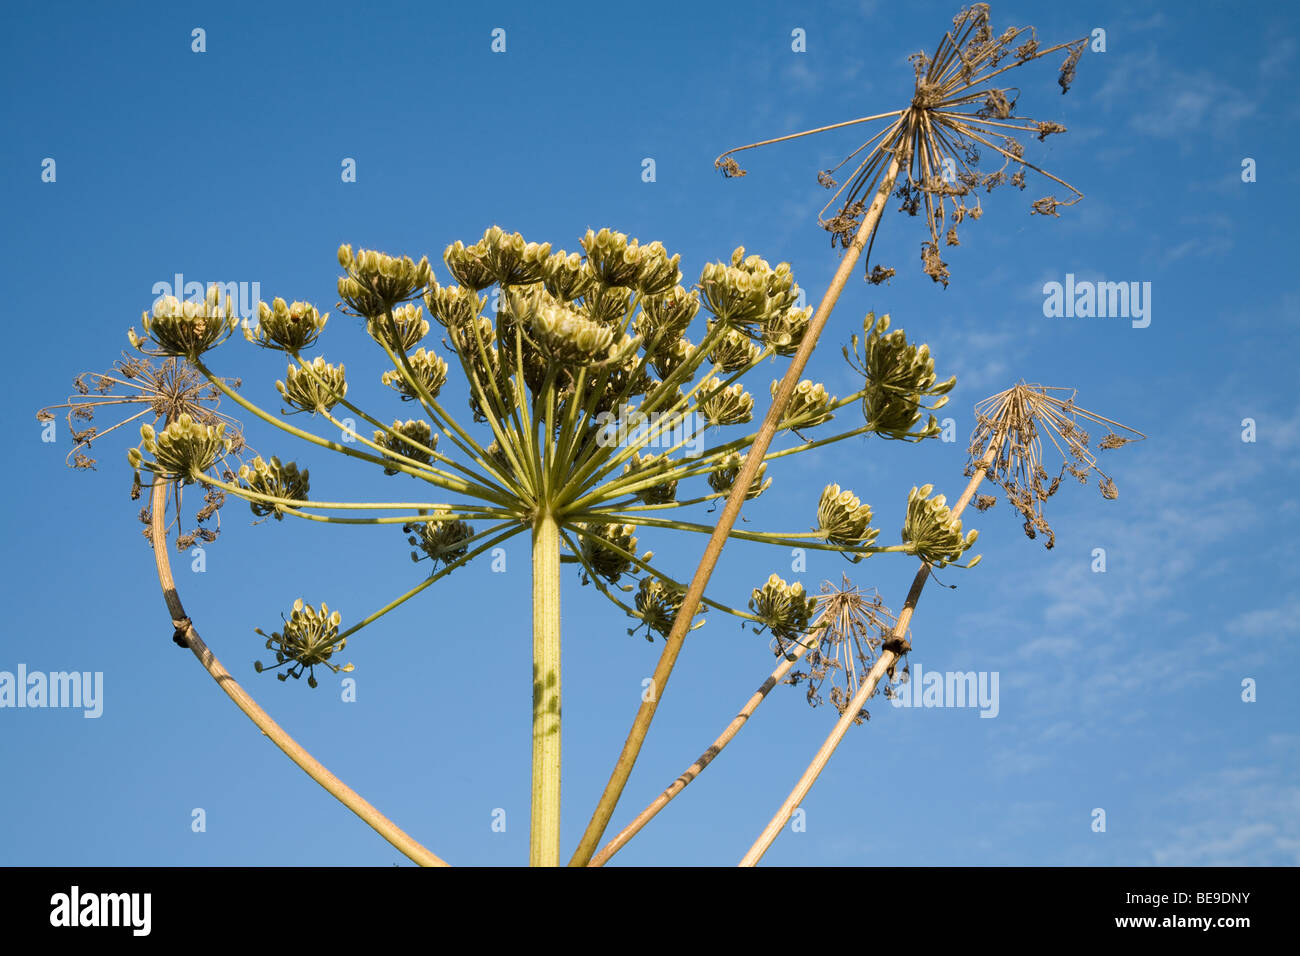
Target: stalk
(544, 838)
(694, 770)
(888, 656)
(727, 520)
(385, 827)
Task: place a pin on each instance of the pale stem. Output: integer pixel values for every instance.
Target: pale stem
(884, 664)
(727, 520)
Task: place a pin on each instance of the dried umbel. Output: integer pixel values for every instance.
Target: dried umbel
(606, 549)
(285, 327)
(409, 323)
(375, 282)
(899, 375)
(724, 476)
(657, 604)
(275, 480)
(412, 439)
(316, 387)
(183, 450)
(310, 637)
(783, 608)
(844, 519)
(186, 329)
(846, 636)
(936, 145)
(932, 533)
(1012, 423)
(442, 538)
(809, 406)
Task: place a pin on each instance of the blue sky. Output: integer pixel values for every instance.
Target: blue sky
(1119, 690)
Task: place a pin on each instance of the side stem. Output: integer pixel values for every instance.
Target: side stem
(884, 664)
(385, 827)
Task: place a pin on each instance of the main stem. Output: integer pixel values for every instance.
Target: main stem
(726, 521)
(544, 839)
(884, 664)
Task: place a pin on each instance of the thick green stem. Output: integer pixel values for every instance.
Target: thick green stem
(544, 841)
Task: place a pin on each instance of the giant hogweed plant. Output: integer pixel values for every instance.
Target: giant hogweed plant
(581, 368)
(606, 401)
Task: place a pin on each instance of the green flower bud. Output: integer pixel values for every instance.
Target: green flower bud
(659, 274)
(666, 359)
(276, 481)
(612, 258)
(726, 406)
(468, 264)
(899, 376)
(513, 261)
(567, 277)
(594, 541)
(647, 467)
(809, 405)
(430, 371)
(185, 448)
(441, 537)
(377, 282)
(843, 519)
(733, 352)
(931, 531)
(723, 478)
(784, 331)
(784, 608)
(657, 604)
(569, 338)
(410, 324)
(186, 329)
(286, 327)
(667, 316)
(737, 297)
(310, 637)
(607, 304)
(453, 306)
(417, 431)
(316, 391)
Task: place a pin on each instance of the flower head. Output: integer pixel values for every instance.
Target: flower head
(936, 145)
(1010, 427)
